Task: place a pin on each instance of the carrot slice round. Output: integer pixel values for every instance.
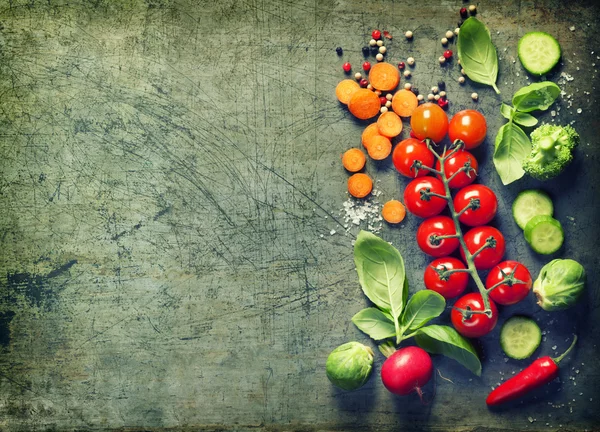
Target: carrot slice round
(379, 147)
(389, 124)
(360, 185)
(384, 76)
(369, 132)
(354, 160)
(393, 212)
(364, 104)
(344, 90)
(404, 103)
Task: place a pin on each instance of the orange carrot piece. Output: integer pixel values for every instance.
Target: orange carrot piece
(369, 132)
(404, 103)
(384, 76)
(364, 104)
(344, 90)
(360, 185)
(393, 212)
(379, 147)
(389, 124)
(354, 160)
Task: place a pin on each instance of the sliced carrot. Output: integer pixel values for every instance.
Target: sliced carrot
(384, 76)
(344, 90)
(369, 132)
(404, 103)
(389, 124)
(364, 104)
(393, 211)
(360, 185)
(354, 160)
(379, 147)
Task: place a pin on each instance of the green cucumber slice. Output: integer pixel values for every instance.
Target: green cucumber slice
(544, 234)
(539, 52)
(519, 337)
(530, 203)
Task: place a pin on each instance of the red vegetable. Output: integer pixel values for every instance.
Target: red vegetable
(540, 372)
(407, 370)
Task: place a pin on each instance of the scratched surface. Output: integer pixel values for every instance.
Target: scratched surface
(169, 180)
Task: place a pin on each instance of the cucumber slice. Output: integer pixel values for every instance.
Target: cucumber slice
(544, 234)
(539, 52)
(519, 337)
(530, 203)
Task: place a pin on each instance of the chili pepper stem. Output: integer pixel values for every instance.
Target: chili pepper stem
(558, 359)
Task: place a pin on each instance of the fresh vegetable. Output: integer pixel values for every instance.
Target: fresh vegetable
(407, 152)
(384, 76)
(508, 283)
(540, 372)
(429, 121)
(393, 212)
(560, 284)
(486, 245)
(530, 203)
(363, 104)
(454, 164)
(407, 371)
(544, 234)
(446, 276)
(389, 124)
(476, 204)
(477, 54)
(437, 236)
(520, 337)
(404, 103)
(539, 52)
(345, 89)
(469, 324)
(469, 126)
(379, 147)
(349, 365)
(423, 197)
(369, 132)
(360, 185)
(552, 150)
(536, 96)
(354, 160)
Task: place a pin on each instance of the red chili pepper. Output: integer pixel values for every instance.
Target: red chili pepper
(540, 372)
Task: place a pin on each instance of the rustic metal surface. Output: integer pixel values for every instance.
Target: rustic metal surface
(169, 178)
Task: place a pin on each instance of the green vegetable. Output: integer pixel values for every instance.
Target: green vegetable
(539, 52)
(530, 203)
(349, 365)
(438, 339)
(375, 323)
(525, 119)
(544, 234)
(511, 147)
(560, 284)
(552, 150)
(536, 96)
(477, 54)
(520, 337)
(422, 307)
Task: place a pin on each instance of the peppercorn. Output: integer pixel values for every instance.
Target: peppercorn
(463, 12)
(461, 80)
(357, 76)
(363, 83)
(365, 51)
(376, 34)
(441, 85)
(473, 9)
(379, 43)
(408, 34)
(382, 100)
(448, 54)
(347, 67)
(401, 65)
(383, 109)
(382, 49)
(420, 97)
(407, 86)
(388, 104)
(339, 51)
(389, 96)
(442, 60)
(407, 74)
(444, 41)
(372, 42)
(366, 66)
(443, 103)
(449, 34)
(410, 61)
(474, 96)
(415, 90)
(379, 57)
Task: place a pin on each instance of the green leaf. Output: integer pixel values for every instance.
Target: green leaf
(374, 323)
(536, 96)
(507, 111)
(422, 307)
(477, 54)
(438, 339)
(511, 148)
(381, 275)
(524, 119)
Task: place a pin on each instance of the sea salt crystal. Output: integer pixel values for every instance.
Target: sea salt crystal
(332, 232)
(572, 28)
(553, 113)
(579, 110)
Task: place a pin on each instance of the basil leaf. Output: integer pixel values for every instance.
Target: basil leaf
(477, 54)
(524, 119)
(381, 275)
(374, 323)
(511, 148)
(438, 339)
(536, 96)
(422, 307)
(507, 111)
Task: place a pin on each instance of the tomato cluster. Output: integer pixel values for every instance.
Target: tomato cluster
(475, 206)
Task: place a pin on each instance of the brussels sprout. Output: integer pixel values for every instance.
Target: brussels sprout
(560, 284)
(349, 365)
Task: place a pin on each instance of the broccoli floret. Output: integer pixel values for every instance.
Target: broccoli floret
(551, 151)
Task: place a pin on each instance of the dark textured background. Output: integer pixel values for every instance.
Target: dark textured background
(167, 171)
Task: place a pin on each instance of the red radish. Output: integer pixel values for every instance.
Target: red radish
(407, 370)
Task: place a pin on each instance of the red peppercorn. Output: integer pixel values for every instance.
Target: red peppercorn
(448, 54)
(347, 67)
(366, 66)
(463, 12)
(401, 65)
(382, 100)
(443, 103)
(363, 83)
(376, 34)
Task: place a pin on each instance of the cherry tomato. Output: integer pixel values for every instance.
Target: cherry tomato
(421, 205)
(437, 226)
(452, 285)
(456, 162)
(407, 152)
(477, 325)
(469, 126)
(511, 292)
(486, 204)
(476, 237)
(429, 121)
